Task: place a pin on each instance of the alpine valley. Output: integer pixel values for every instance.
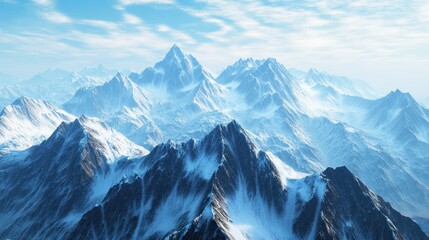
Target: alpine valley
(259, 152)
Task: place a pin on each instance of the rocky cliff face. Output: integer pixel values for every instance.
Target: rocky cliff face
(222, 187)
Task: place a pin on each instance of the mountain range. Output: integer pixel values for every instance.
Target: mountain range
(54, 85)
(305, 141)
(219, 187)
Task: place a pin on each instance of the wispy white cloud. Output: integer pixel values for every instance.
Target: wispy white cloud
(124, 3)
(100, 23)
(132, 19)
(44, 2)
(131, 2)
(175, 36)
(56, 17)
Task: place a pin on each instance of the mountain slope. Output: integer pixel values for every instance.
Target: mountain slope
(308, 119)
(351, 211)
(255, 79)
(109, 98)
(181, 77)
(151, 108)
(223, 187)
(59, 179)
(27, 122)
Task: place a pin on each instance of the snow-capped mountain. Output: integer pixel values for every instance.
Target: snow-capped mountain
(46, 190)
(176, 72)
(223, 187)
(54, 85)
(179, 79)
(149, 106)
(340, 84)
(27, 122)
(238, 69)
(311, 120)
(119, 102)
(254, 80)
(109, 98)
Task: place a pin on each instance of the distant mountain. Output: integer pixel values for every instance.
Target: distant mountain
(98, 72)
(109, 98)
(54, 85)
(341, 84)
(6, 79)
(401, 115)
(181, 77)
(119, 102)
(145, 105)
(238, 69)
(176, 72)
(256, 79)
(27, 122)
(46, 190)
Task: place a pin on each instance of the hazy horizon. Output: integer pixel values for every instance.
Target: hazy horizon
(385, 44)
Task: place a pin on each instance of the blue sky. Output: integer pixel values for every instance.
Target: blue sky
(385, 43)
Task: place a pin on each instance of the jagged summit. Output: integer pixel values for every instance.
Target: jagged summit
(121, 80)
(23, 101)
(398, 102)
(398, 94)
(234, 71)
(109, 98)
(174, 53)
(221, 187)
(176, 72)
(344, 192)
(105, 140)
(58, 178)
(27, 122)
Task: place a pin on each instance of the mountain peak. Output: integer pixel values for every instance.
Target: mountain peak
(28, 105)
(271, 61)
(176, 72)
(231, 135)
(100, 137)
(398, 92)
(119, 76)
(118, 83)
(175, 53)
(343, 171)
(238, 69)
(23, 100)
(399, 95)
(245, 61)
(273, 65)
(175, 48)
(234, 125)
(28, 121)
